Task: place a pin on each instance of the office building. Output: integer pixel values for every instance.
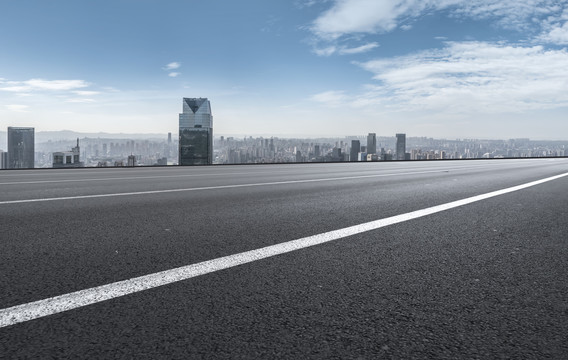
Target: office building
(372, 143)
(66, 159)
(401, 146)
(196, 132)
(355, 150)
(21, 145)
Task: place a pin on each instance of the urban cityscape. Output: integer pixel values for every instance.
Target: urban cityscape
(196, 145)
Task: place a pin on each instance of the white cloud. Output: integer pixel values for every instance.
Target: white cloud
(174, 74)
(17, 108)
(556, 29)
(471, 76)
(358, 16)
(334, 98)
(372, 16)
(42, 85)
(343, 50)
(172, 66)
(557, 35)
(359, 49)
(327, 51)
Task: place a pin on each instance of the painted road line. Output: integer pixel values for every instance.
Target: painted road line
(38, 309)
(217, 187)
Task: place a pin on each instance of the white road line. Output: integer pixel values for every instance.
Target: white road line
(216, 187)
(38, 309)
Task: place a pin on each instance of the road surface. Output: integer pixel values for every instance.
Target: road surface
(443, 259)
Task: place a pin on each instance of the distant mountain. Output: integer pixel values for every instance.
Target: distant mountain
(68, 135)
(43, 136)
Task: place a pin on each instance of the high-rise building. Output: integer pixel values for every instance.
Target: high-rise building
(401, 146)
(21, 145)
(372, 143)
(355, 150)
(196, 132)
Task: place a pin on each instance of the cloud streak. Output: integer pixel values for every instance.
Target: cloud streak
(41, 85)
(466, 77)
(344, 50)
(172, 66)
(375, 17)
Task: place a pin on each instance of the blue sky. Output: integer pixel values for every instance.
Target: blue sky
(439, 68)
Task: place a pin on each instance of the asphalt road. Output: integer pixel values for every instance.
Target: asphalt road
(484, 280)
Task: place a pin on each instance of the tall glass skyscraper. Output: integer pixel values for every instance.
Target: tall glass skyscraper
(196, 132)
(21, 145)
(400, 146)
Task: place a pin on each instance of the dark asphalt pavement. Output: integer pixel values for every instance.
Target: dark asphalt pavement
(486, 280)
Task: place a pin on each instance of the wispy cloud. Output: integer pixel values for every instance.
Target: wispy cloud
(301, 4)
(42, 85)
(326, 51)
(344, 50)
(332, 98)
(371, 16)
(172, 66)
(358, 49)
(556, 29)
(465, 77)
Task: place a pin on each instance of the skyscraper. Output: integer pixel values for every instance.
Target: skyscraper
(355, 149)
(400, 146)
(196, 132)
(21, 145)
(372, 143)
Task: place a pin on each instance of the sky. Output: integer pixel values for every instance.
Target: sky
(486, 69)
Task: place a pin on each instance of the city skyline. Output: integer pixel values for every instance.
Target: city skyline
(450, 69)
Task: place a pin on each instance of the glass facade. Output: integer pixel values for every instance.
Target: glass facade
(21, 145)
(195, 146)
(196, 132)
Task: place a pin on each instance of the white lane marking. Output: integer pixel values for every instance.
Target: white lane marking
(217, 187)
(37, 309)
